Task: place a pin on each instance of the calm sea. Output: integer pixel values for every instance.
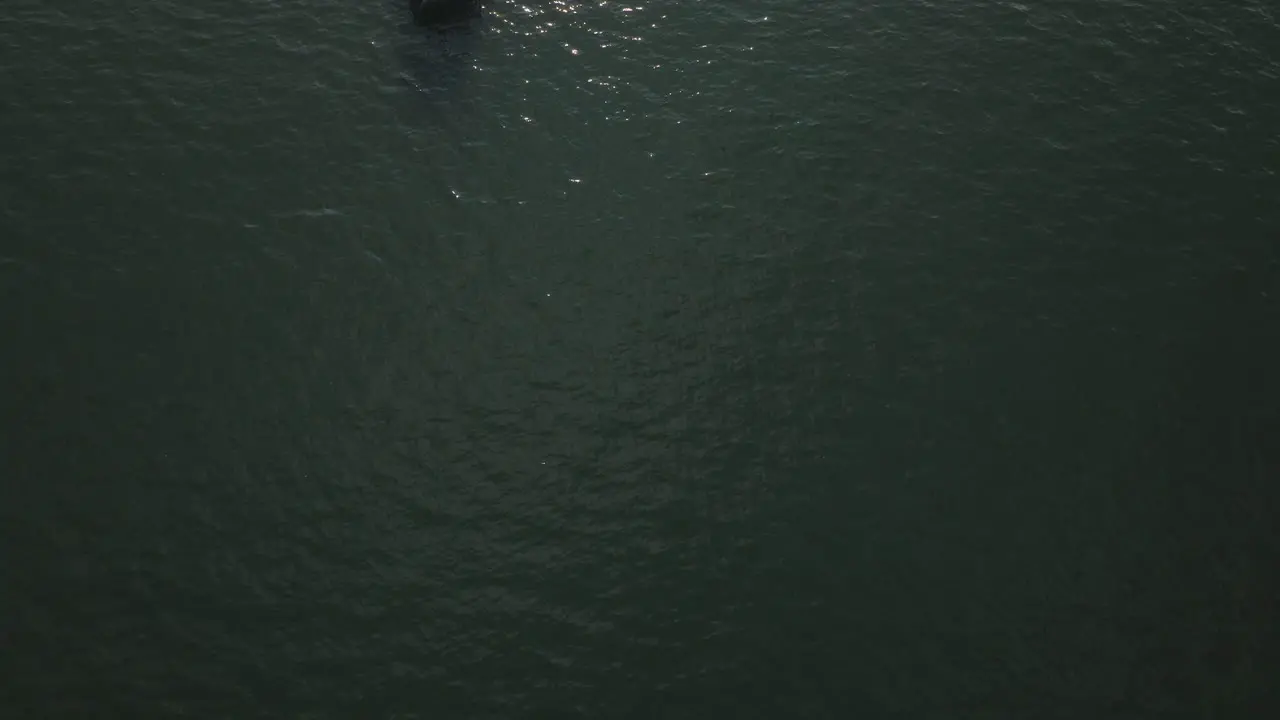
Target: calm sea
(733, 359)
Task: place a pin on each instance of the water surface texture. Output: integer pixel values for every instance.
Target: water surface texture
(713, 359)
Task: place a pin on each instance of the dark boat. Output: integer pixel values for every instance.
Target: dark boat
(443, 12)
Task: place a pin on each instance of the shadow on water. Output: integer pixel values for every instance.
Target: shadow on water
(434, 60)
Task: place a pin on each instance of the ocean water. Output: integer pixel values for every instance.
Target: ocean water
(755, 359)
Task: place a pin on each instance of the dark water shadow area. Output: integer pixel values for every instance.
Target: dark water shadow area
(433, 60)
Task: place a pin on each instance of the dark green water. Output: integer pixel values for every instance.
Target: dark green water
(753, 359)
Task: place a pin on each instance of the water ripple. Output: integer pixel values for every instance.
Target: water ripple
(617, 359)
